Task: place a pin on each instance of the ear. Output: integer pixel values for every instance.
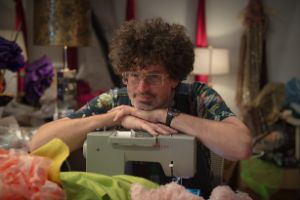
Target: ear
(174, 83)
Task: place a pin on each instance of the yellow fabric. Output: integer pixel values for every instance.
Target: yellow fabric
(57, 151)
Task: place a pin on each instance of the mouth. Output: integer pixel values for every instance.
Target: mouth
(144, 98)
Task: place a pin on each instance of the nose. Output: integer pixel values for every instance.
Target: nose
(143, 86)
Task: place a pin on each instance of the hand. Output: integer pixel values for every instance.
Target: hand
(132, 122)
(155, 116)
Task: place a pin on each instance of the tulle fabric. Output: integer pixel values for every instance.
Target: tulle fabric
(25, 176)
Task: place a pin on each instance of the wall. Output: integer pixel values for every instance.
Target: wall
(284, 40)
(224, 29)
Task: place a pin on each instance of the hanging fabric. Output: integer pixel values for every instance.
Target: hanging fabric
(96, 24)
(252, 72)
(96, 62)
(201, 38)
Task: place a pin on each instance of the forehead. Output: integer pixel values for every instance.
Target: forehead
(151, 69)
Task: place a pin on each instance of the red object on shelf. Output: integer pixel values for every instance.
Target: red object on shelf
(130, 10)
(201, 78)
(201, 37)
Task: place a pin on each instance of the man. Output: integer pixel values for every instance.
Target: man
(153, 58)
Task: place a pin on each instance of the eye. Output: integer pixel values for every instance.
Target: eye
(154, 77)
(134, 75)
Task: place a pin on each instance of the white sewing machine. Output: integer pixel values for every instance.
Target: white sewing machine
(107, 152)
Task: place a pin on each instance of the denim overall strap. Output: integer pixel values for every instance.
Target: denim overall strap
(185, 101)
(122, 97)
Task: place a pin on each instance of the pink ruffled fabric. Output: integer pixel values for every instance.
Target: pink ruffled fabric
(171, 191)
(224, 192)
(24, 176)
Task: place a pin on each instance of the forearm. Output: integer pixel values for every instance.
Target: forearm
(228, 138)
(72, 131)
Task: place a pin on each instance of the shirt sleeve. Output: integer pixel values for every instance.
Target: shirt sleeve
(210, 104)
(98, 105)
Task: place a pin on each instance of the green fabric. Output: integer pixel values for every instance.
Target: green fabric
(262, 177)
(85, 185)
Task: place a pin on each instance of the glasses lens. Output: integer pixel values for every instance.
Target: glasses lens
(154, 79)
(135, 78)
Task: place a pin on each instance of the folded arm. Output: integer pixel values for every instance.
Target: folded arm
(229, 138)
(74, 131)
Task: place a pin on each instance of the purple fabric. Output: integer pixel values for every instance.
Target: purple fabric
(38, 78)
(10, 55)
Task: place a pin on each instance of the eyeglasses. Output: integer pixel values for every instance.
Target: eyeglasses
(153, 79)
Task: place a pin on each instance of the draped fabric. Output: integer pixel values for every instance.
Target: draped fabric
(252, 62)
(104, 23)
(95, 73)
(20, 23)
(103, 42)
(201, 38)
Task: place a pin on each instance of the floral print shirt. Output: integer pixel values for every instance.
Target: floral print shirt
(197, 99)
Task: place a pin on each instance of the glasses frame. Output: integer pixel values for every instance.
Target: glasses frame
(143, 76)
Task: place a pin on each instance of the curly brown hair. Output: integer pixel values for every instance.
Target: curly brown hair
(138, 44)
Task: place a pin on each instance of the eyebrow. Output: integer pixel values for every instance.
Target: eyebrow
(152, 72)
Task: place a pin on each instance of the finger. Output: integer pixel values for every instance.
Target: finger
(126, 109)
(116, 108)
(165, 132)
(148, 127)
(166, 129)
(160, 129)
(120, 114)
